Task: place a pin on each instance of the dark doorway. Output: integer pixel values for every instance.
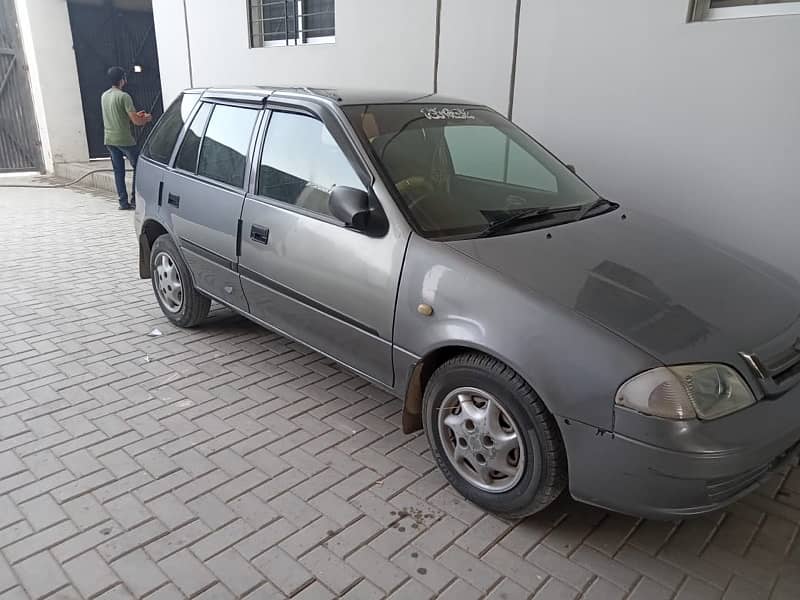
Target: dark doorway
(109, 33)
(19, 140)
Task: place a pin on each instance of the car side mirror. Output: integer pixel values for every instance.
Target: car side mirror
(351, 206)
(572, 168)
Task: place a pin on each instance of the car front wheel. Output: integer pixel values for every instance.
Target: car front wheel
(180, 302)
(492, 436)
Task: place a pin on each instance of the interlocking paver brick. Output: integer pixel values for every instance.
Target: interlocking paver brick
(187, 573)
(263, 539)
(694, 589)
(132, 539)
(601, 589)
(235, 572)
(310, 536)
(139, 573)
(90, 574)
(128, 511)
(423, 568)
(7, 578)
(560, 567)
(177, 540)
(330, 569)
(647, 589)
(482, 535)
(283, 571)
(471, 569)
(42, 540)
(412, 589)
(294, 509)
(354, 536)
(85, 511)
(42, 512)
(655, 569)
(364, 590)
(236, 443)
(377, 569)
(515, 568)
(555, 590)
(221, 539)
(40, 575)
(253, 510)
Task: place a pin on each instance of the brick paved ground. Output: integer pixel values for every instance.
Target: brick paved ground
(227, 461)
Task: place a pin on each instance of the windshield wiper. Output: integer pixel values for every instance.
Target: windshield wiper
(596, 204)
(531, 214)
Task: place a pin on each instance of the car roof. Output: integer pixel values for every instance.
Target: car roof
(343, 97)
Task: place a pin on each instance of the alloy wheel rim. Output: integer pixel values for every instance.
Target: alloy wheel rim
(168, 283)
(481, 440)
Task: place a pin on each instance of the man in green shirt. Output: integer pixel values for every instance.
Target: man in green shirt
(118, 114)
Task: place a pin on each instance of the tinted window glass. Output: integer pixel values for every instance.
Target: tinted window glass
(461, 169)
(302, 162)
(161, 141)
(187, 156)
(224, 150)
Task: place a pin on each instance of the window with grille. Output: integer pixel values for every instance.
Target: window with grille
(291, 22)
(710, 10)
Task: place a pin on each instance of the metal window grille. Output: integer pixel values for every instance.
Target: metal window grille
(291, 22)
(710, 10)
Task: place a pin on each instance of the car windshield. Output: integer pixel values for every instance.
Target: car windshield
(460, 169)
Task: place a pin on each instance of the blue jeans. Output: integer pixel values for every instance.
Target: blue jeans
(118, 162)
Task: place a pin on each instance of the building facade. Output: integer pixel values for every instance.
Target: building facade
(689, 109)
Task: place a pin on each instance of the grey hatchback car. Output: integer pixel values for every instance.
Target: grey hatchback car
(542, 336)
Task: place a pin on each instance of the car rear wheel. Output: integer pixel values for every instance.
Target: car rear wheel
(492, 436)
(180, 302)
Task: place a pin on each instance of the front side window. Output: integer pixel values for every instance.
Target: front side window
(291, 22)
(710, 10)
(187, 155)
(223, 152)
(459, 170)
(161, 141)
(301, 163)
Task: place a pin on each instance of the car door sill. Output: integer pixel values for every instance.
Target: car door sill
(266, 325)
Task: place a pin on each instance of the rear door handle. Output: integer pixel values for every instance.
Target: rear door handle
(174, 200)
(259, 234)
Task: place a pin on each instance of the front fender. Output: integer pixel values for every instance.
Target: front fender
(573, 364)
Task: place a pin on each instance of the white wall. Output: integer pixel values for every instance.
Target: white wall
(475, 51)
(379, 44)
(47, 41)
(173, 56)
(697, 122)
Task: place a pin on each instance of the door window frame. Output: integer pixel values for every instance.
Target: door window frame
(260, 117)
(345, 144)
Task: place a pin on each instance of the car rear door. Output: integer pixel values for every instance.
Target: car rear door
(303, 272)
(203, 195)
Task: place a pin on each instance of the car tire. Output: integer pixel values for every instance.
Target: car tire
(180, 302)
(487, 406)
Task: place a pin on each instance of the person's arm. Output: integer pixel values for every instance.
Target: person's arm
(138, 118)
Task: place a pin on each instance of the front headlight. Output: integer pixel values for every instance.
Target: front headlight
(706, 391)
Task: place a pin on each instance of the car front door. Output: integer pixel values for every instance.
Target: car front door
(305, 273)
(203, 195)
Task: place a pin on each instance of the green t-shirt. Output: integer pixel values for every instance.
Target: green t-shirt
(116, 120)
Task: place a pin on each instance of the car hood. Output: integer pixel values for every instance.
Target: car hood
(671, 293)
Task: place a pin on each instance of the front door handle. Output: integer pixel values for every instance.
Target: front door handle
(259, 234)
(174, 200)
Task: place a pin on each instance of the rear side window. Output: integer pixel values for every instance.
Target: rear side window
(301, 163)
(187, 155)
(161, 141)
(223, 153)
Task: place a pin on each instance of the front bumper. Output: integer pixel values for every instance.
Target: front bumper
(695, 468)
